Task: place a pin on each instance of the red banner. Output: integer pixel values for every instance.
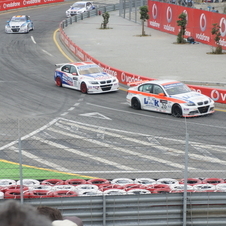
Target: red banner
(7, 5)
(164, 16)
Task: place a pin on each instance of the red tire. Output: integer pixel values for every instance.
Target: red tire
(13, 187)
(161, 190)
(75, 181)
(128, 187)
(52, 182)
(213, 181)
(98, 181)
(191, 181)
(153, 187)
(41, 194)
(65, 193)
(104, 187)
(15, 194)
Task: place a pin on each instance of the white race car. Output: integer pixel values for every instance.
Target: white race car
(79, 7)
(169, 96)
(86, 77)
(19, 24)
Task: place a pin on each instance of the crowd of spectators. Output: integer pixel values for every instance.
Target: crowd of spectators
(13, 213)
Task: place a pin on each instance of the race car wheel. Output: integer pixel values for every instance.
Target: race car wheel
(83, 87)
(136, 104)
(58, 81)
(177, 111)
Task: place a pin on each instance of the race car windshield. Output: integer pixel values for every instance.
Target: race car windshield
(18, 19)
(79, 5)
(91, 70)
(176, 88)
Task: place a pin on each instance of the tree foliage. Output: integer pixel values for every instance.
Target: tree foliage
(143, 16)
(216, 32)
(182, 22)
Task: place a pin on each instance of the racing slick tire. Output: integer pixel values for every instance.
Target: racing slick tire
(83, 87)
(176, 111)
(136, 104)
(58, 81)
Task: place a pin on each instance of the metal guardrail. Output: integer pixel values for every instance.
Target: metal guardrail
(144, 210)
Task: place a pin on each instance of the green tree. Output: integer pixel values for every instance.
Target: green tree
(143, 16)
(106, 20)
(182, 22)
(216, 32)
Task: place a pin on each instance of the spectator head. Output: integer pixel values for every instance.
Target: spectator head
(76, 220)
(12, 213)
(52, 213)
(63, 223)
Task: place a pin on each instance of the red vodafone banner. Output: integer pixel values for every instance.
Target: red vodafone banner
(218, 95)
(164, 16)
(7, 5)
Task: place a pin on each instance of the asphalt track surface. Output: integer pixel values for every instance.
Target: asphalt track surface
(95, 135)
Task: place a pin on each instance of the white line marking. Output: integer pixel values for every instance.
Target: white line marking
(33, 40)
(47, 52)
(71, 109)
(65, 113)
(110, 147)
(96, 115)
(65, 148)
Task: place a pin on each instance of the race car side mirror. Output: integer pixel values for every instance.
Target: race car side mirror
(161, 94)
(74, 73)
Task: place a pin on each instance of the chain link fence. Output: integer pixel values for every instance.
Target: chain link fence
(68, 148)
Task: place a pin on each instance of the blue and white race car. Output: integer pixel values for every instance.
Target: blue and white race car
(169, 96)
(19, 24)
(80, 7)
(86, 77)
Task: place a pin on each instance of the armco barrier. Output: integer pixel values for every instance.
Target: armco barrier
(218, 95)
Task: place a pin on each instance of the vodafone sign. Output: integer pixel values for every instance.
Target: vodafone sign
(7, 5)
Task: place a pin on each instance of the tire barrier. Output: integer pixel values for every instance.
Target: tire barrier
(40, 187)
(221, 187)
(137, 191)
(145, 181)
(161, 190)
(28, 182)
(7, 182)
(122, 181)
(64, 193)
(191, 181)
(128, 187)
(52, 182)
(90, 193)
(180, 187)
(98, 181)
(63, 187)
(205, 187)
(167, 181)
(34, 194)
(75, 181)
(15, 194)
(114, 191)
(213, 181)
(10, 189)
(104, 187)
(86, 187)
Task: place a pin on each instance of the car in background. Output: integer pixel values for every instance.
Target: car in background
(19, 24)
(169, 96)
(86, 77)
(79, 7)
